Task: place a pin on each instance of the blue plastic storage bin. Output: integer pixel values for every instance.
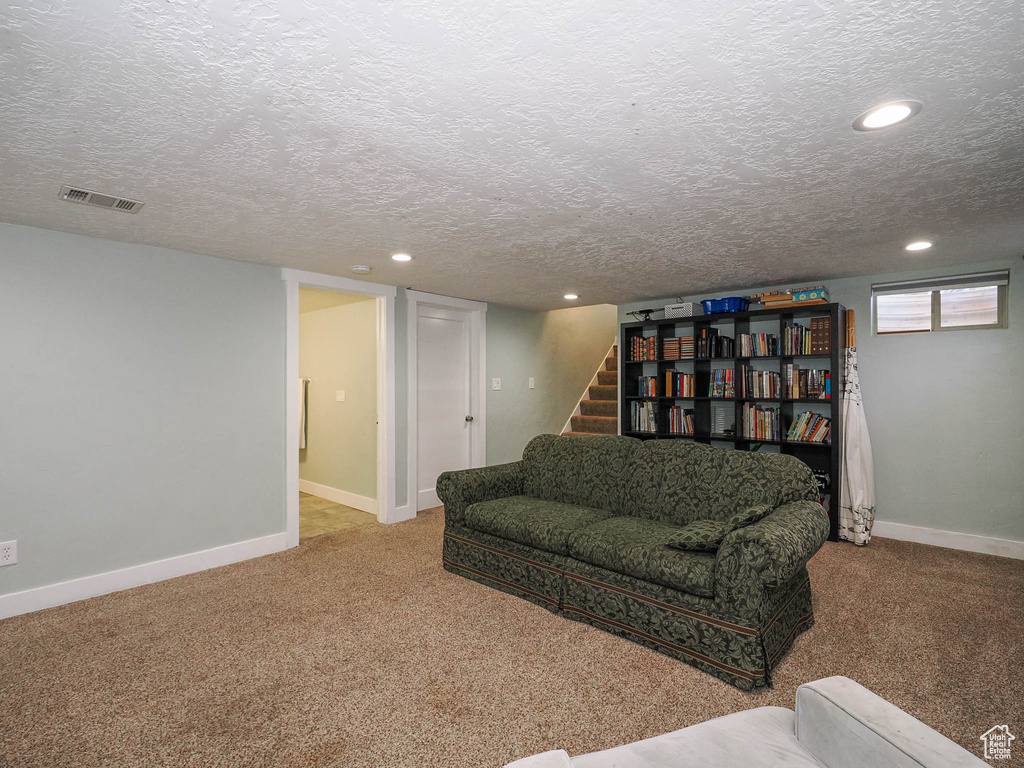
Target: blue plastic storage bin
(728, 304)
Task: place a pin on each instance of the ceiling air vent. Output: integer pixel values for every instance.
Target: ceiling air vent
(87, 196)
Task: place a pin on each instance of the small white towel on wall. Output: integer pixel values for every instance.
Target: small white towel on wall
(303, 410)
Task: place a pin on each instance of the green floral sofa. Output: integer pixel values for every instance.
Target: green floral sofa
(582, 526)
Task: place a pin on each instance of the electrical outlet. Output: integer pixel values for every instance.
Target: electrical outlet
(8, 553)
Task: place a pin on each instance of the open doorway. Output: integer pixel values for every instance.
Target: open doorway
(383, 301)
(338, 425)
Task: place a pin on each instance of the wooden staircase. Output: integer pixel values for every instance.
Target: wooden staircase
(599, 411)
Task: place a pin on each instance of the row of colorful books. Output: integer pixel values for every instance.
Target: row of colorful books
(759, 345)
(815, 340)
(722, 383)
(677, 349)
(643, 416)
(808, 382)
(761, 423)
(680, 384)
(647, 386)
(680, 420)
(643, 348)
(760, 383)
(810, 428)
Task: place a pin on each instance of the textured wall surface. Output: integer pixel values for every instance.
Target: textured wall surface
(522, 149)
(143, 394)
(944, 412)
(561, 350)
(338, 350)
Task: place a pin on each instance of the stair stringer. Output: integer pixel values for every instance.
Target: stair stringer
(577, 411)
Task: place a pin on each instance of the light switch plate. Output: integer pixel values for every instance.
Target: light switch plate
(340, 395)
(532, 383)
(495, 384)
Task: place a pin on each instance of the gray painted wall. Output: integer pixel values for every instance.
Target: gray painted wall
(561, 349)
(142, 395)
(944, 411)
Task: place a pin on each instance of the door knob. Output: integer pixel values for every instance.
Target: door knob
(469, 418)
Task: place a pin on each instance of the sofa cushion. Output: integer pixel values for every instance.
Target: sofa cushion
(637, 547)
(534, 522)
(587, 471)
(679, 481)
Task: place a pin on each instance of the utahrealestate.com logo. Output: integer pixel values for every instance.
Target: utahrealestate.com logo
(997, 742)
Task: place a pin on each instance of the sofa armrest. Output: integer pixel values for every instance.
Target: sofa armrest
(461, 488)
(770, 552)
(556, 758)
(843, 724)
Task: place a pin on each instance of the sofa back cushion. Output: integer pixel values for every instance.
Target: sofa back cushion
(587, 471)
(679, 481)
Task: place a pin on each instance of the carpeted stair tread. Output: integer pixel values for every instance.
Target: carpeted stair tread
(599, 408)
(604, 392)
(608, 377)
(597, 425)
(611, 363)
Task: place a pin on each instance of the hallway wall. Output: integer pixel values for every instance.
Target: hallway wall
(338, 351)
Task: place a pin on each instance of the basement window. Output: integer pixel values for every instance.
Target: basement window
(955, 303)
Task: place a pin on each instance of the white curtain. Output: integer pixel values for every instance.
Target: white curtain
(857, 510)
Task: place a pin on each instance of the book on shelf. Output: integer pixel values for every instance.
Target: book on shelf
(680, 384)
(709, 343)
(807, 383)
(722, 383)
(814, 340)
(810, 427)
(758, 345)
(766, 384)
(643, 349)
(761, 423)
(680, 348)
(821, 335)
(680, 420)
(647, 386)
(643, 416)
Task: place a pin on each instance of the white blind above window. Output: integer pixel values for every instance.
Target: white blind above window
(998, 277)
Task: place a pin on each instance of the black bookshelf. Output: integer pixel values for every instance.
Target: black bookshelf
(821, 457)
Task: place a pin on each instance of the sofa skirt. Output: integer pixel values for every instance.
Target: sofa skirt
(514, 568)
(697, 630)
(690, 628)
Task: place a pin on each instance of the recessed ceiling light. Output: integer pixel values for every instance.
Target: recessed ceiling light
(362, 269)
(886, 115)
(919, 245)
(571, 296)
(401, 257)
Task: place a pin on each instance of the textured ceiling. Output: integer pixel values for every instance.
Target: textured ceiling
(520, 149)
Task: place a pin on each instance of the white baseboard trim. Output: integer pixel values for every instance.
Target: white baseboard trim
(64, 592)
(949, 539)
(338, 496)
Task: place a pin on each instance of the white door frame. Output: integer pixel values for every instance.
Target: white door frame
(385, 296)
(477, 374)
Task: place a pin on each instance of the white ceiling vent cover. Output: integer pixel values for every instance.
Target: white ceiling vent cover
(87, 196)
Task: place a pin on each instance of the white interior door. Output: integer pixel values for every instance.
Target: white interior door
(443, 398)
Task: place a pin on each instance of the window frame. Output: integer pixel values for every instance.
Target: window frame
(998, 280)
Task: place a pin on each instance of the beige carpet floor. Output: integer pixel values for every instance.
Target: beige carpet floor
(357, 649)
